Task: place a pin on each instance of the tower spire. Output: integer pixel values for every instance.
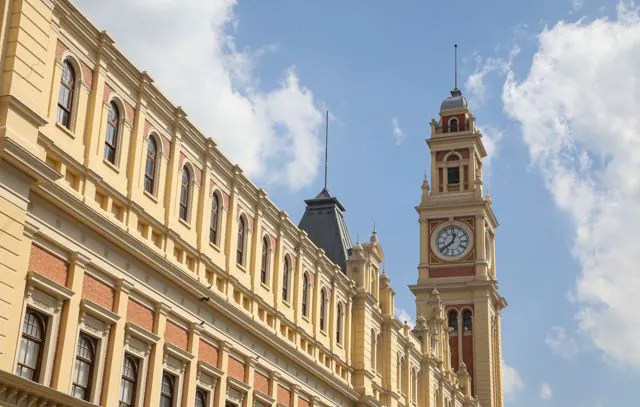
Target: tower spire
(455, 66)
(326, 149)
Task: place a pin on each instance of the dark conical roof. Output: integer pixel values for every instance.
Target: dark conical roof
(324, 222)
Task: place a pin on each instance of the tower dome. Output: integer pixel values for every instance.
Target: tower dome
(455, 101)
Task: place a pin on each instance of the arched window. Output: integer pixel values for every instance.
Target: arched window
(379, 358)
(414, 385)
(264, 264)
(453, 125)
(34, 331)
(150, 166)
(453, 321)
(167, 392)
(201, 398)
(128, 385)
(323, 308)
(467, 322)
(453, 170)
(403, 376)
(111, 138)
(65, 97)
(185, 192)
(85, 360)
(241, 235)
(339, 322)
(213, 222)
(305, 294)
(374, 348)
(286, 272)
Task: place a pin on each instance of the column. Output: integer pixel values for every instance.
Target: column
(191, 372)
(255, 264)
(249, 380)
(115, 350)
(221, 389)
(154, 375)
(64, 360)
(273, 387)
(136, 159)
(170, 191)
(231, 232)
(295, 394)
(347, 331)
(204, 201)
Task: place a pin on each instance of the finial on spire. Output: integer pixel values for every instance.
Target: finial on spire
(455, 66)
(374, 227)
(326, 148)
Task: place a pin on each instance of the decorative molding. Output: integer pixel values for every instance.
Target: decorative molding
(181, 355)
(141, 334)
(42, 283)
(209, 370)
(95, 310)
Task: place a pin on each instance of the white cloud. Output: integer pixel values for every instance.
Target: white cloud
(404, 316)
(576, 5)
(511, 380)
(189, 49)
(545, 392)
(475, 84)
(398, 134)
(578, 110)
(561, 343)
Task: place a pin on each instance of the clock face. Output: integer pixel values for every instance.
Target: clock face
(452, 241)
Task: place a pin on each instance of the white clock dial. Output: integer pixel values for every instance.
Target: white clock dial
(452, 241)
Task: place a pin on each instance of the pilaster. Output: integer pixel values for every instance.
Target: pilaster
(115, 350)
(221, 388)
(64, 361)
(191, 371)
(154, 375)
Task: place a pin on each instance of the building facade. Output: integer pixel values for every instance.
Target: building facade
(140, 267)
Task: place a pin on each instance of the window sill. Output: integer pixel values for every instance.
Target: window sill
(111, 165)
(65, 130)
(214, 246)
(266, 287)
(184, 223)
(287, 303)
(323, 332)
(150, 196)
(305, 318)
(241, 267)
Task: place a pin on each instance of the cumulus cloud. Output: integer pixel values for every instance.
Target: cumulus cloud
(578, 109)
(545, 391)
(576, 5)
(404, 316)
(398, 134)
(561, 343)
(512, 381)
(476, 85)
(189, 49)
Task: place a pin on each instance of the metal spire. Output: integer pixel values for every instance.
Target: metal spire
(455, 75)
(326, 149)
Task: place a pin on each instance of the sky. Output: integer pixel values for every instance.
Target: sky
(555, 87)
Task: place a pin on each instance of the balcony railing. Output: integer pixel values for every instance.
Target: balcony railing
(19, 392)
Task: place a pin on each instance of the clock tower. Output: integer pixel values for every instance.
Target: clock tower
(457, 252)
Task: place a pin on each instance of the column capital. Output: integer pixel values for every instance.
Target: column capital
(163, 308)
(125, 286)
(80, 259)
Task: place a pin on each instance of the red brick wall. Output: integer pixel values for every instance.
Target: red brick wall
(208, 353)
(176, 335)
(467, 356)
(140, 315)
(284, 396)
(451, 271)
(98, 292)
(236, 369)
(261, 383)
(455, 357)
(48, 265)
(303, 403)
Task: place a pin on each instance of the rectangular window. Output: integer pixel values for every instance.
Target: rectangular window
(453, 175)
(34, 332)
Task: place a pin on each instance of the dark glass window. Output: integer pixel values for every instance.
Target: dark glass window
(339, 323)
(150, 166)
(65, 97)
(453, 321)
(201, 398)
(34, 331)
(184, 193)
(111, 138)
(453, 175)
(241, 234)
(167, 392)
(129, 382)
(285, 279)
(264, 265)
(305, 294)
(453, 125)
(467, 320)
(85, 360)
(323, 308)
(213, 222)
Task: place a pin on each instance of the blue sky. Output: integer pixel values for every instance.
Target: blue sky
(554, 84)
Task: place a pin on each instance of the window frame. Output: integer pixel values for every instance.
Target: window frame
(339, 323)
(116, 125)
(453, 329)
(73, 91)
(286, 279)
(93, 348)
(214, 219)
(305, 294)
(206, 395)
(184, 207)
(265, 260)
(173, 378)
(37, 369)
(323, 309)
(452, 121)
(134, 381)
(150, 182)
(241, 240)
